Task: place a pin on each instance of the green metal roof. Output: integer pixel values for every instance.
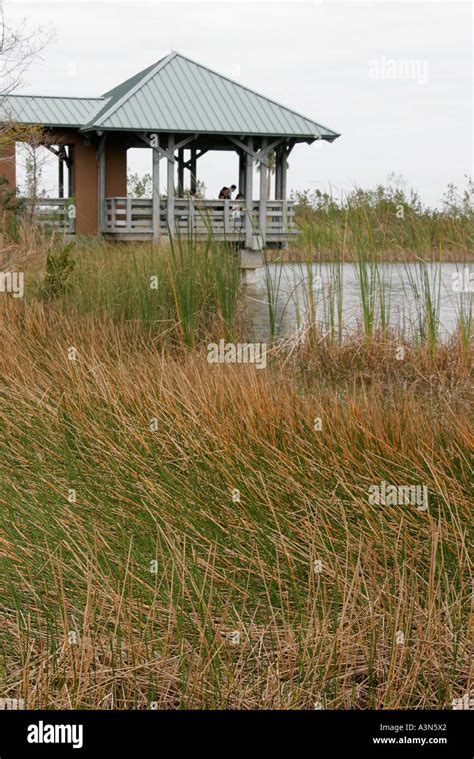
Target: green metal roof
(175, 94)
(49, 111)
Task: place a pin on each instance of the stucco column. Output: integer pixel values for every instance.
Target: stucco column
(86, 188)
(7, 162)
(115, 168)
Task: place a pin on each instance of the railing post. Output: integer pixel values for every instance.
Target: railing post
(191, 215)
(129, 215)
(113, 213)
(71, 218)
(226, 217)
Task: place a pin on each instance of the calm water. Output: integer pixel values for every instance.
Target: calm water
(291, 299)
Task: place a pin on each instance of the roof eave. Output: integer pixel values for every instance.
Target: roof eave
(309, 138)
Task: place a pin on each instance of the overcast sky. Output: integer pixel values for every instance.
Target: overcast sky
(394, 78)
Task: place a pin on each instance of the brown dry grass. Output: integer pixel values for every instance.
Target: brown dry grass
(86, 623)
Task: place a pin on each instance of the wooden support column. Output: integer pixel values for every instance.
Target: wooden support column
(193, 170)
(249, 194)
(241, 172)
(60, 176)
(262, 206)
(284, 166)
(181, 172)
(70, 171)
(101, 177)
(170, 185)
(156, 194)
(278, 162)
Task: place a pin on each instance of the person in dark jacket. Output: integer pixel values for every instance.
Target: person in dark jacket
(226, 192)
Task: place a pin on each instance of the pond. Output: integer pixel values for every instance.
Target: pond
(405, 290)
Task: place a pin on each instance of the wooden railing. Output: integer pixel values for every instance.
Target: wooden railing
(226, 219)
(58, 213)
(133, 217)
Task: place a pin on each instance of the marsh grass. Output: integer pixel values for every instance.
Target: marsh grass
(465, 323)
(178, 292)
(91, 496)
(273, 284)
(425, 285)
(398, 223)
(128, 566)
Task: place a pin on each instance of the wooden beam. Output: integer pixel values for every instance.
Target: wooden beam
(242, 145)
(248, 192)
(170, 185)
(262, 154)
(156, 195)
(163, 152)
(262, 207)
(186, 141)
(166, 153)
(188, 164)
(52, 150)
(289, 146)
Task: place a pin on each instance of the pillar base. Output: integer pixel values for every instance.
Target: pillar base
(248, 276)
(250, 261)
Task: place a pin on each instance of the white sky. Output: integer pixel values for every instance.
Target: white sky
(324, 59)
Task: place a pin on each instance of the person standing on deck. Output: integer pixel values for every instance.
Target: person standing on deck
(226, 192)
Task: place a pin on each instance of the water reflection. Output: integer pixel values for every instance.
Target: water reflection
(290, 283)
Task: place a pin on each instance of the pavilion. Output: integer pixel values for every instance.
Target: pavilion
(181, 110)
